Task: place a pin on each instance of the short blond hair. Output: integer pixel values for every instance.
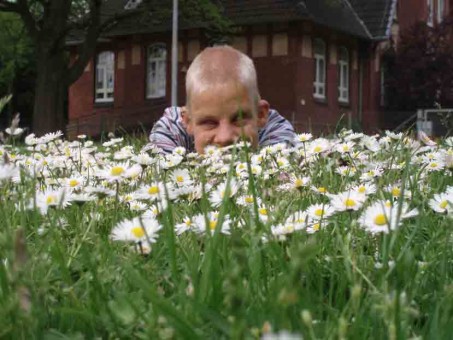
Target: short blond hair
(218, 65)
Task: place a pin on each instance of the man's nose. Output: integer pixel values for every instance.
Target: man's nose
(226, 134)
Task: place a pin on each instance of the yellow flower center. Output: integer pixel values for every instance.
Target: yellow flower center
(179, 179)
(319, 212)
(316, 227)
(153, 190)
(117, 171)
(345, 148)
(362, 189)
(380, 219)
(396, 192)
(138, 232)
(262, 211)
(212, 224)
(73, 183)
(289, 228)
(349, 203)
(51, 199)
(443, 204)
(433, 165)
(317, 149)
(298, 182)
(322, 190)
(188, 223)
(249, 199)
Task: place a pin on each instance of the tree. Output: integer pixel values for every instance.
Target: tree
(49, 23)
(420, 70)
(15, 56)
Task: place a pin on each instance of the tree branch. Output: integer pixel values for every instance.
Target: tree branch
(95, 29)
(27, 18)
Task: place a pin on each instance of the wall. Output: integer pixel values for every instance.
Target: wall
(285, 67)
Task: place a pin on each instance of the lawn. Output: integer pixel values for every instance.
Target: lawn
(346, 237)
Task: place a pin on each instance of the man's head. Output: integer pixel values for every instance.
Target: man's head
(223, 103)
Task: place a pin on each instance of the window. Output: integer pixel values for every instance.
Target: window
(440, 10)
(430, 20)
(105, 77)
(157, 71)
(343, 75)
(319, 85)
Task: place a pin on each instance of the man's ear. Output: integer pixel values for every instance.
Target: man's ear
(186, 120)
(263, 112)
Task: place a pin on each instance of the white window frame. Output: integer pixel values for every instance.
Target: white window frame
(105, 71)
(430, 19)
(440, 10)
(156, 84)
(343, 75)
(319, 84)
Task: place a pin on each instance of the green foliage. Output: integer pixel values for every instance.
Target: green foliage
(61, 276)
(15, 49)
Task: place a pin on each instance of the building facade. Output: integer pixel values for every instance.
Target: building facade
(318, 63)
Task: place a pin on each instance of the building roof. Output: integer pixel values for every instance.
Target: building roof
(376, 15)
(367, 19)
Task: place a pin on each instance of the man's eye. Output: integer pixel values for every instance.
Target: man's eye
(207, 123)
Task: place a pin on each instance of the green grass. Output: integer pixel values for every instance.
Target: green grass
(69, 280)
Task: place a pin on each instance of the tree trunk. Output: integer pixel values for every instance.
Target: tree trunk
(49, 113)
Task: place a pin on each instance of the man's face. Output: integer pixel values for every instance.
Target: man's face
(222, 116)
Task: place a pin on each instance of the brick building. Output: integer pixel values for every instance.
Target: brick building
(317, 61)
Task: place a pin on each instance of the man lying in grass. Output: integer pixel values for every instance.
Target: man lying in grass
(223, 106)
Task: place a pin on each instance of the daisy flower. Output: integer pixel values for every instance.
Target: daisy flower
(8, 171)
(346, 147)
(318, 146)
(320, 211)
(283, 229)
(320, 190)
(143, 159)
(371, 143)
(216, 196)
(49, 137)
(371, 174)
(51, 198)
(74, 183)
(346, 171)
(137, 206)
(365, 188)
(442, 203)
(210, 223)
(298, 182)
(396, 190)
(137, 230)
(115, 172)
(153, 191)
(435, 165)
(303, 137)
(247, 201)
(381, 216)
(347, 201)
(181, 177)
(186, 225)
(297, 219)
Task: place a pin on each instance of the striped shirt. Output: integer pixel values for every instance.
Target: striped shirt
(169, 133)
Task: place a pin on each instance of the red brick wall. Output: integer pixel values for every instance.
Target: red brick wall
(285, 81)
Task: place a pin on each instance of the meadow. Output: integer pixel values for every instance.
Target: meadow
(346, 237)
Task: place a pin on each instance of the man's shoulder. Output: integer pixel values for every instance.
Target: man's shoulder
(277, 130)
